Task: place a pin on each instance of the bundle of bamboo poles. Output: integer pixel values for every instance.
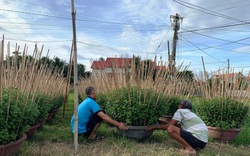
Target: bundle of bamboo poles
(29, 75)
(141, 74)
(224, 84)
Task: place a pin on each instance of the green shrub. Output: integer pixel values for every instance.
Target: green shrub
(31, 112)
(43, 103)
(56, 102)
(224, 113)
(101, 99)
(137, 107)
(15, 116)
(173, 103)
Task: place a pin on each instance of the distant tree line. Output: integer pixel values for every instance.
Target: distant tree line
(55, 64)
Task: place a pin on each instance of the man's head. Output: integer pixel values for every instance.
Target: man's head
(90, 91)
(185, 104)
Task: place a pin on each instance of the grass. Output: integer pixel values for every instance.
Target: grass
(55, 139)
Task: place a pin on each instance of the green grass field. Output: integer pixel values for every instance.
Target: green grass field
(55, 139)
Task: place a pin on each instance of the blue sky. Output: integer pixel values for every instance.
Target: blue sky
(216, 30)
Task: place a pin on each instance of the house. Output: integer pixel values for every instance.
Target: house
(230, 77)
(109, 64)
(118, 64)
(97, 67)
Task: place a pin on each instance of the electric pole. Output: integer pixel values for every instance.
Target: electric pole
(175, 23)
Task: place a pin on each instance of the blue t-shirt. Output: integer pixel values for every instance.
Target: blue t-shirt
(85, 110)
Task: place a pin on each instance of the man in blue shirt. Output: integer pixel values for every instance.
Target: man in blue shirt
(90, 116)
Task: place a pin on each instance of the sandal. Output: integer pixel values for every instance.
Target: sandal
(98, 137)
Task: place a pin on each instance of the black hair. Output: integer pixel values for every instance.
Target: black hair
(186, 104)
(89, 90)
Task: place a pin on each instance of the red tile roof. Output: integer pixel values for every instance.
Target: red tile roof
(98, 65)
(230, 76)
(117, 62)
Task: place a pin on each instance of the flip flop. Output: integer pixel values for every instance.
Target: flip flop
(98, 137)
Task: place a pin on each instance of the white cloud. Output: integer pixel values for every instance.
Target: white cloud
(11, 19)
(63, 2)
(146, 11)
(245, 49)
(146, 24)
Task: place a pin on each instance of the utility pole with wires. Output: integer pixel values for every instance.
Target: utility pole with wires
(175, 23)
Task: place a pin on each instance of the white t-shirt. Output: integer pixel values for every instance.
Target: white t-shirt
(192, 123)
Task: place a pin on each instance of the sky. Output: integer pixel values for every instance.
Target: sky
(215, 31)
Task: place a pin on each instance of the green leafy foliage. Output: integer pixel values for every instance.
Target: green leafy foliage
(56, 102)
(224, 113)
(173, 103)
(137, 107)
(43, 104)
(101, 99)
(31, 113)
(15, 116)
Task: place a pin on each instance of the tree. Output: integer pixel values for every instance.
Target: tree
(59, 62)
(81, 72)
(186, 75)
(81, 69)
(101, 59)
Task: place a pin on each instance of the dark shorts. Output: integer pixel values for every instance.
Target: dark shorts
(93, 121)
(191, 140)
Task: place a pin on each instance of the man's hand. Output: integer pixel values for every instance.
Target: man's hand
(150, 128)
(122, 126)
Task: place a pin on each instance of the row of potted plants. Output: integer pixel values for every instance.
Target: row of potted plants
(138, 106)
(19, 121)
(224, 116)
(30, 89)
(139, 95)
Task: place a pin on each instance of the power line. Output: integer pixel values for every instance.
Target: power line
(219, 45)
(217, 38)
(37, 40)
(220, 29)
(202, 50)
(217, 27)
(192, 6)
(68, 18)
(225, 6)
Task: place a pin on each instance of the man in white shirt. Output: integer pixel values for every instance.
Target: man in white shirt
(193, 133)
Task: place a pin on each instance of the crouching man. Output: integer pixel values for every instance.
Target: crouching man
(193, 133)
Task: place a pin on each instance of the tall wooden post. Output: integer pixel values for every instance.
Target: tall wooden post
(75, 79)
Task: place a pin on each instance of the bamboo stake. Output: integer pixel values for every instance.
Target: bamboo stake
(68, 81)
(75, 80)
(1, 68)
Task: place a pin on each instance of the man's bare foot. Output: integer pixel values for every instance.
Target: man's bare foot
(92, 136)
(187, 152)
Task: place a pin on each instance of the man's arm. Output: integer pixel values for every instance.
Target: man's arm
(162, 127)
(108, 119)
